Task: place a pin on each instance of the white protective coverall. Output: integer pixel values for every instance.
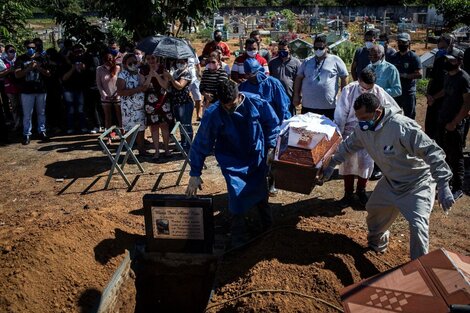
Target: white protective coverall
(412, 165)
(358, 163)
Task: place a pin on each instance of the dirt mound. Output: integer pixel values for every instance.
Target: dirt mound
(309, 259)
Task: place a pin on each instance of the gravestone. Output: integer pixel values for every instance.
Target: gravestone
(174, 223)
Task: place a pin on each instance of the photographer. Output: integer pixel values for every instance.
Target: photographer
(74, 82)
(31, 71)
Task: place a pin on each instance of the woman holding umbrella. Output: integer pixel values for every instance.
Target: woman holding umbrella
(157, 106)
(177, 85)
(131, 87)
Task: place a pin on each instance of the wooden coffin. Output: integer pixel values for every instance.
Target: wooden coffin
(296, 169)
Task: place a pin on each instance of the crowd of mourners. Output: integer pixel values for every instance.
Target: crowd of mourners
(77, 89)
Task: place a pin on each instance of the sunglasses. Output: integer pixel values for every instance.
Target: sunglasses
(318, 48)
(132, 63)
(213, 62)
(11, 51)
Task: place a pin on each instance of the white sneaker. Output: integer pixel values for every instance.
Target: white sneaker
(94, 130)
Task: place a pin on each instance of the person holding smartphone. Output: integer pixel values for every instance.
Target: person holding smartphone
(74, 84)
(31, 69)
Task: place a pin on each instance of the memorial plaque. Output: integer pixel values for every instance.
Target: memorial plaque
(178, 223)
(174, 223)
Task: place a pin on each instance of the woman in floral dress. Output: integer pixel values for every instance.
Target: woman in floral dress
(131, 87)
(157, 106)
(177, 84)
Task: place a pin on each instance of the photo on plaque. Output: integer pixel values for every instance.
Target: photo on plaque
(163, 227)
(178, 223)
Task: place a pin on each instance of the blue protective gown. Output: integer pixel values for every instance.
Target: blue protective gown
(241, 140)
(271, 90)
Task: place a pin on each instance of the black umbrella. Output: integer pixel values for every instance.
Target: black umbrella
(174, 48)
(149, 44)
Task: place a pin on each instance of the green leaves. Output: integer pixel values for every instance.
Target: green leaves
(454, 11)
(149, 17)
(13, 16)
(76, 25)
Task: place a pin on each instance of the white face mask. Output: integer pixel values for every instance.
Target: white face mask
(320, 53)
(180, 66)
(377, 63)
(252, 53)
(132, 68)
(369, 44)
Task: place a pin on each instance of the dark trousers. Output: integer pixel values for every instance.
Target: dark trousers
(239, 227)
(330, 113)
(3, 128)
(431, 123)
(465, 131)
(184, 114)
(5, 102)
(55, 107)
(452, 144)
(349, 184)
(408, 103)
(93, 108)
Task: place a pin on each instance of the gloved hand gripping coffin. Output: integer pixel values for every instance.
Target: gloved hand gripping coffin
(304, 147)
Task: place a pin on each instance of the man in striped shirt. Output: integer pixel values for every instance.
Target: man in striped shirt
(212, 76)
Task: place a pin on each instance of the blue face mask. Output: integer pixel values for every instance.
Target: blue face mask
(382, 43)
(114, 52)
(441, 52)
(31, 51)
(367, 125)
(283, 54)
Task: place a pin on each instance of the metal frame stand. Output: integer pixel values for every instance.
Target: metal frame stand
(132, 134)
(183, 132)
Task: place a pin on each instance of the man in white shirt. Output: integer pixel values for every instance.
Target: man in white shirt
(316, 84)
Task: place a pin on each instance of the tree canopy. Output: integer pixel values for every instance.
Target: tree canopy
(453, 11)
(13, 16)
(148, 17)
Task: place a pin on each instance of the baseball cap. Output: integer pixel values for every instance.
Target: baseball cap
(403, 37)
(456, 54)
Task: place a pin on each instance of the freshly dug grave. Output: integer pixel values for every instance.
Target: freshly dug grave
(300, 261)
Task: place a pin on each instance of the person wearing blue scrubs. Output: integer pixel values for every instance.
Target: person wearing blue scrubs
(241, 128)
(271, 90)
(267, 87)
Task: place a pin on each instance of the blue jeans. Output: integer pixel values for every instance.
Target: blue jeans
(408, 103)
(184, 114)
(28, 102)
(74, 102)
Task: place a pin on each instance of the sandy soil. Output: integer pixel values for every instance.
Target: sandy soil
(62, 236)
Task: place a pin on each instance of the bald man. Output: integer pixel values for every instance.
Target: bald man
(387, 75)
